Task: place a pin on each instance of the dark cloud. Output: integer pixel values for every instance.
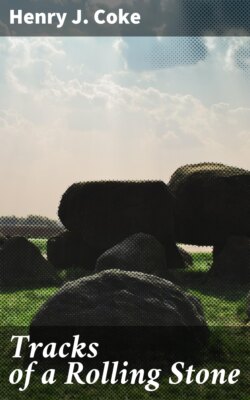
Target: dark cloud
(152, 53)
(242, 57)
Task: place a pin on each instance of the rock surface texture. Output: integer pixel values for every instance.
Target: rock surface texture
(105, 213)
(139, 252)
(130, 314)
(21, 265)
(212, 202)
(233, 261)
(121, 298)
(68, 250)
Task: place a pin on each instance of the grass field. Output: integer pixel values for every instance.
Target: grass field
(224, 306)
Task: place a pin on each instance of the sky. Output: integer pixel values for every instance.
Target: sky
(77, 109)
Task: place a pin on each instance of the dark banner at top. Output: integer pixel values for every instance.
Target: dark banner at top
(125, 18)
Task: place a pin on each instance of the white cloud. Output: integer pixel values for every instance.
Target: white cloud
(62, 122)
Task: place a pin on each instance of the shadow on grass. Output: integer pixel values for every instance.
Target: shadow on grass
(205, 283)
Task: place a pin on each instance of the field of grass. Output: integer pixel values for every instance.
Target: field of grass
(224, 306)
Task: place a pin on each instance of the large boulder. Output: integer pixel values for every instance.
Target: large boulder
(233, 261)
(212, 202)
(140, 252)
(169, 318)
(105, 213)
(21, 265)
(68, 250)
(120, 298)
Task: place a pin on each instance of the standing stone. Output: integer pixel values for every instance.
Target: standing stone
(139, 252)
(212, 202)
(105, 213)
(68, 250)
(233, 262)
(21, 265)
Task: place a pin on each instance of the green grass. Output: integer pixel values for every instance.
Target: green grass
(224, 305)
(18, 307)
(41, 244)
(201, 261)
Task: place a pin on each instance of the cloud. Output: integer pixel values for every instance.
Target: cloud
(157, 53)
(29, 61)
(242, 56)
(55, 89)
(136, 114)
(62, 121)
(232, 53)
